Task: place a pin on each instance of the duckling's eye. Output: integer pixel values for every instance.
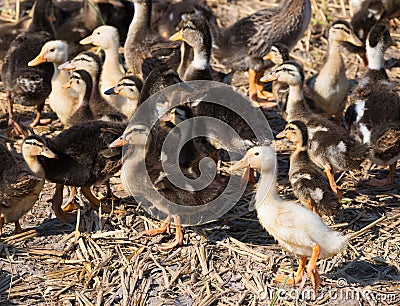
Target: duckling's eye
(257, 153)
(98, 33)
(51, 50)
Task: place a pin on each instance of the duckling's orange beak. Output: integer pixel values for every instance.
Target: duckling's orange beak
(269, 78)
(281, 134)
(67, 85)
(178, 36)
(67, 66)
(167, 117)
(354, 40)
(87, 40)
(243, 163)
(267, 57)
(37, 60)
(119, 142)
(48, 153)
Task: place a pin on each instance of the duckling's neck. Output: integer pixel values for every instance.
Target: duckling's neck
(34, 164)
(142, 17)
(334, 63)
(295, 102)
(375, 57)
(40, 20)
(112, 58)
(266, 192)
(201, 59)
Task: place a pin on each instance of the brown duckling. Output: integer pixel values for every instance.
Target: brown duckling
(243, 45)
(374, 116)
(196, 33)
(328, 89)
(310, 184)
(29, 85)
(21, 181)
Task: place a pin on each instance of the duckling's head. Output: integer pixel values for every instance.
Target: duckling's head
(261, 158)
(296, 132)
(342, 31)
(129, 87)
(378, 41)
(195, 32)
(34, 145)
(103, 36)
(278, 54)
(180, 113)
(88, 61)
(54, 51)
(135, 134)
(81, 82)
(289, 72)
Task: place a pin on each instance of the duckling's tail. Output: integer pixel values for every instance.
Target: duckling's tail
(336, 243)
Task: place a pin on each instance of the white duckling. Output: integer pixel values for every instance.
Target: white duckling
(297, 229)
(107, 38)
(61, 100)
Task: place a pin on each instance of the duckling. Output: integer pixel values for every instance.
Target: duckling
(29, 85)
(278, 54)
(196, 34)
(149, 149)
(128, 87)
(329, 87)
(92, 64)
(243, 45)
(143, 41)
(21, 181)
(329, 146)
(177, 13)
(308, 181)
(9, 31)
(107, 38)
(83, 160)
(296, 228)
(63, 102)
(373, 117)
(74, 21)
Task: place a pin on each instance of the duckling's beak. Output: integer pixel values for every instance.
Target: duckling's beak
(178, 36)
(87, 40)
(112, 91)
(67, 66)
(281, 134)
(267, 57)
(67, 85)
(243, 163)
(354, 40)
(119, 142)
(167, 117)
(37, 60)
(48, 153)
(185, 87)
(269, 78)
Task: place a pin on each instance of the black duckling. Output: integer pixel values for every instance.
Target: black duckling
(330, 147)
(278, 54)
(310, 184)
(21, 181)
(243, 45)
(128, 87)
(29, 85)
(374, 116)
(9, 31)
(83, 159)
(143, 41)
(328, 89)
(196, 33)
(177, 13)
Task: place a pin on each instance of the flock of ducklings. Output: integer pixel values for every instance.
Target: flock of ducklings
(95, 98)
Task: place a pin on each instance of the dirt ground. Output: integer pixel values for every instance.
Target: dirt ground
(100, 260)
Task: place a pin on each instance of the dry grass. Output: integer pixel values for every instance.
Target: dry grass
(233, 261)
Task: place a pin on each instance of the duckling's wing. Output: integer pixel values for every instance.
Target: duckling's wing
(17, 187)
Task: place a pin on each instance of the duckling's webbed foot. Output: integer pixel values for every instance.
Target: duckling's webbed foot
(298, 277)
(329, 173)
(385, 182)
(37, 119)
(57, 200)
(165, 227)
(96, 203)
(312, 268)
(71, 204)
